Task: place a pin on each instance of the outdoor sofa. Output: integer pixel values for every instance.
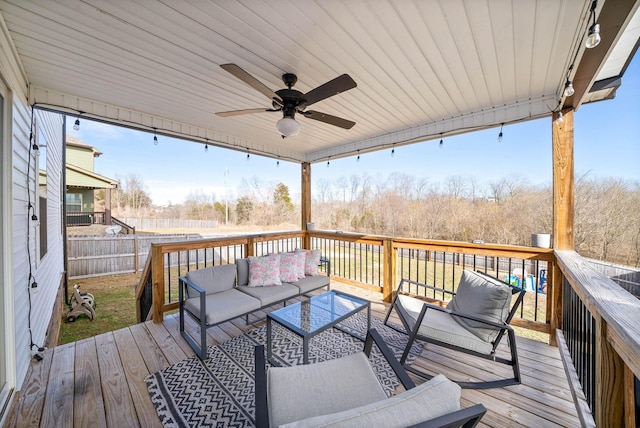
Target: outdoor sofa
(217, 294)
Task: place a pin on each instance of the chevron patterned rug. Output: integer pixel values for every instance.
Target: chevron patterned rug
(219, 392)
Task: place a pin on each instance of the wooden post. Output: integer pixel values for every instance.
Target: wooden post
(157, 278)
(629, 398)
(563, 209)
(389, 267)
(563, 181)
(305, 203)
(107, 206)
(136, 255)
(609, 382)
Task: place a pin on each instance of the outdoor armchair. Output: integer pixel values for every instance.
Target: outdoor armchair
(345, 392)
(473, 322)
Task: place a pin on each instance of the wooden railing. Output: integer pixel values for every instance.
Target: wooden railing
(595, 322)
(600, 342)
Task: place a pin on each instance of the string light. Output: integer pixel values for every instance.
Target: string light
(155, 137)
(393, 150)
(358, 158)
(278, 162)
(76, 126)
(248, 155)
(206, 148)
(500, 134)
(559, 117)
(328, 162)
(441, 140)
(593, 38)
(568, 88)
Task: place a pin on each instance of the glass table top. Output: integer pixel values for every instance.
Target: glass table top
(318, 312)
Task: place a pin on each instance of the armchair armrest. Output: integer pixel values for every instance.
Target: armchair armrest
(183, 283)
(374, 337)
(465, 418)
(410, 282)
(326, 261)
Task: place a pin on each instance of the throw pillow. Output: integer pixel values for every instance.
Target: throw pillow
(312, 260)
(484, 297)
(264, 271)
(291, 266)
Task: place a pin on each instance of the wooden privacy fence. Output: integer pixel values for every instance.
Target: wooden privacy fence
(110, 255)
(169, 223)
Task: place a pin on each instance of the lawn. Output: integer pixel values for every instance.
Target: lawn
(115, 306)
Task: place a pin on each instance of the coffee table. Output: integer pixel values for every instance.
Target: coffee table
(311, 317)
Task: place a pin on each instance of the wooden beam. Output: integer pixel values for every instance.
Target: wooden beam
(612, 18)
(563, 180)
(305, 203)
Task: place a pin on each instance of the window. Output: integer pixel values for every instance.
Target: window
(74, 202)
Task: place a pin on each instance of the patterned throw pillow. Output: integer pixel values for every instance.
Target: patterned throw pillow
(292, 266)
(311, 262)
(264, 271)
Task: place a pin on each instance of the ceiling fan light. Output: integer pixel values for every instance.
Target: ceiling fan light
(288, 127)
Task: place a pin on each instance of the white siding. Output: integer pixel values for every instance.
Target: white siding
(21, 257)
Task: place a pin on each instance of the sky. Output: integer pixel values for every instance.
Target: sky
(607, 145)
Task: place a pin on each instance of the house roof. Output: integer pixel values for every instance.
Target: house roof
(76, 142)
(423, 68)
(82, 178)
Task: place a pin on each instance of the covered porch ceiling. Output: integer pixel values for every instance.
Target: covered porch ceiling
(423, 68)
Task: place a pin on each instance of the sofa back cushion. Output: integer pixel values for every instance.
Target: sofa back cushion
(213, 279)
(264, 271)
(484, 297)
(242, 266)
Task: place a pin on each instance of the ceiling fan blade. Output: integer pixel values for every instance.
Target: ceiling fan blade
(327, 118)
(239, 112)
(332, 87)
(251, 81)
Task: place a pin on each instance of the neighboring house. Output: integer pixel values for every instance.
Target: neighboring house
(82, 181)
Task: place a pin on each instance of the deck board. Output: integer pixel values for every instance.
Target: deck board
(100, 381)
(88, 404)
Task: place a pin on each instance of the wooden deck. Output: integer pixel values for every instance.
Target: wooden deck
(99, 382)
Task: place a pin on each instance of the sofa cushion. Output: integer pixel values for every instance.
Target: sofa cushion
(432, 399)
(264, 271)
(291, 266)
(311, 283)
(243, 271)
(212, 279)
(223, 306)
(312, 260)
(484, 297)
(299, 392)
(272, 294)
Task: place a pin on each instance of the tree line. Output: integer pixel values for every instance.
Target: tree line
(505, 211)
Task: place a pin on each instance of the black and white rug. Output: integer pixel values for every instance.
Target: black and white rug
(219, 392)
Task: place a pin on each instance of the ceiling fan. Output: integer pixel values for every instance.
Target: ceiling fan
(290, 101)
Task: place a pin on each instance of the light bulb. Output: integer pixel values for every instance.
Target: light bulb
(559, 117)
(327, 164)
(358, 158)
(593, 39)
(500, 134)
(288, 127)
(206, 148)
(393, 151)
(76, 126)
(155, 140)
(568, 89)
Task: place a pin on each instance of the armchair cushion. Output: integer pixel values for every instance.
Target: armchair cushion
(434, 398)
(223, 305)
(484, 297)
(300, 392)
(213, 279)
